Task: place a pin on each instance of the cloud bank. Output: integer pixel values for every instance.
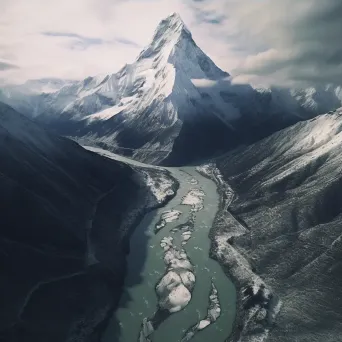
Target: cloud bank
(267, 42)
(298, 42)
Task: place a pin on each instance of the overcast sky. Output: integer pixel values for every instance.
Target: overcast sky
(282, 42)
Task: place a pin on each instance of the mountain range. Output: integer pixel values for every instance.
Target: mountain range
(172, 105)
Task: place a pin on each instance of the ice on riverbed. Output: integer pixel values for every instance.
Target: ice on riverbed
(180, 264)
(173, 293)
(188, 226)
(168, 240)
(177, 299)
(188, 279)
(194, 198)
(146, 330)
(177, 260)
(203, 324)
(167, 217)
(213, 313)
(186, 236)
(160, 225)
(174, 289)
(168, 282)
(171, 215)
(166, 243)
(193, 181)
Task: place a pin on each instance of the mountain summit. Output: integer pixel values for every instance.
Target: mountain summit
(171, 28)
(169, 32)
(173, 43)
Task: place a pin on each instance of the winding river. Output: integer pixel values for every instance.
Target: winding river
(179, 229)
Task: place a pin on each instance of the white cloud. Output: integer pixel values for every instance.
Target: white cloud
(23, 43)
(287, 41)
(203, 83)
(276, 41)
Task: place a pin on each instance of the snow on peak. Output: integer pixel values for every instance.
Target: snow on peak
(169, 32)
(171, 24)
(174, 16)
(173, 46)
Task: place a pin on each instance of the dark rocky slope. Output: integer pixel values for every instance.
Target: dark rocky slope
(65, 217)
(288, 201)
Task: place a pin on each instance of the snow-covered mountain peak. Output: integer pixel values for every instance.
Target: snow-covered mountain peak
(174, 26)
(173, 47)
(174, 20)
(174, 16)
(170, 32)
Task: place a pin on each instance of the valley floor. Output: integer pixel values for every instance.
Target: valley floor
(173, 290)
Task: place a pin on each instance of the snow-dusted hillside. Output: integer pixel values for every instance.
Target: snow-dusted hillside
(288, 202)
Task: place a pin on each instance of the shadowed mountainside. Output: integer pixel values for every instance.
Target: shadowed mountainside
(66, 214)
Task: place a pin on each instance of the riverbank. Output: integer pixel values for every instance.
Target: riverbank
(156, 188)
(257, 306)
